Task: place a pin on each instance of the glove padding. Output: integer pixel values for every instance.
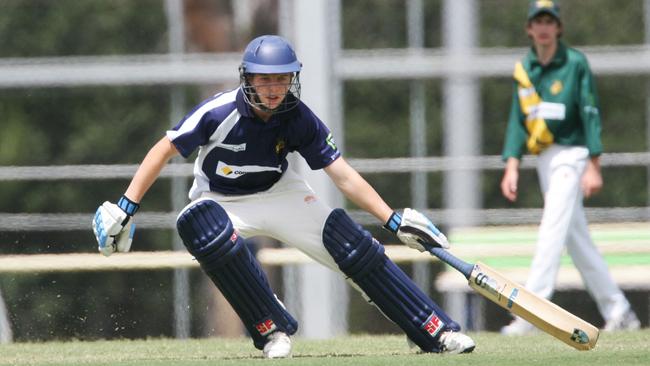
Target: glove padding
(415, 229)
(113, 229)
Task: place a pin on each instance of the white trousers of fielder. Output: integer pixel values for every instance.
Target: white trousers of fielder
(564, 223)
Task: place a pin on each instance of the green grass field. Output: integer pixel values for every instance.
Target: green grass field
(625, 348)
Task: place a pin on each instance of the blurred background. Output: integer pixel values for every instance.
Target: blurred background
(416, 92)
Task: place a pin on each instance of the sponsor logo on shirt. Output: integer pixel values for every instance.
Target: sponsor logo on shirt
(330, 141)
(548, 110)
(234, 171)
(231, 147)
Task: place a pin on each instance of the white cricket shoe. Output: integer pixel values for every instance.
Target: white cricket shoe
(454, 343)
(278, 346)
(627, 321)
(518, 327)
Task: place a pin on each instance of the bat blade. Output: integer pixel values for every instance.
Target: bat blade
(538, 311)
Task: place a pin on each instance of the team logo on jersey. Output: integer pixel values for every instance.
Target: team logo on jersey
(330, 141)
(433, 325)
(556, 87)
(279, 146)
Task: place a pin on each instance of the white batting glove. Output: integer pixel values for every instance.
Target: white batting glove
(113, 226)
(414, 229)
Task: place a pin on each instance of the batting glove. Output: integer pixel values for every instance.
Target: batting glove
(415, 230)
(113, 226)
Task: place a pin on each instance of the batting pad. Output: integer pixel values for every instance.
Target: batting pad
(362, 258)
(209, 236)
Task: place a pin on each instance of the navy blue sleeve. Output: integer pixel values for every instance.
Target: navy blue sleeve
(195, 128)
(317, 146)
(188, 140)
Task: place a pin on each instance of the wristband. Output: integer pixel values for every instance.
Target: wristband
(128, 206)
(393, 223)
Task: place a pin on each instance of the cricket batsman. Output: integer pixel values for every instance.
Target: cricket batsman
(243, 188)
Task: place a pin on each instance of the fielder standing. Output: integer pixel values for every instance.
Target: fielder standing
(555, 114)
(243, 188)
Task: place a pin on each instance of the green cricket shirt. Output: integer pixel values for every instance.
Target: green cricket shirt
(566, 80)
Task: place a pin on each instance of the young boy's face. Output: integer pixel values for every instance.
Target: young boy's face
(544, 29)
(271, 89)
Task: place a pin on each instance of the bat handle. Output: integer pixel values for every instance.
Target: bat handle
(459, 264)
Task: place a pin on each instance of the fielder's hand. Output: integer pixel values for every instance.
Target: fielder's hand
(113, 226)
(414, 230)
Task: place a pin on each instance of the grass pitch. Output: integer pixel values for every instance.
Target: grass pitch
(624, 348)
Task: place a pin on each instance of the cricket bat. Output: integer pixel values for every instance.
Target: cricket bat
(514, 297)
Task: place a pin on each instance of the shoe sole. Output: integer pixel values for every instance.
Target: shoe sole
(469, 350)
(466, 350)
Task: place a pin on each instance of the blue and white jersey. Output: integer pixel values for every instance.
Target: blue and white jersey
(241, 154)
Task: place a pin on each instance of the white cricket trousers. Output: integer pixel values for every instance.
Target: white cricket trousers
(289, 212)
(560, 170)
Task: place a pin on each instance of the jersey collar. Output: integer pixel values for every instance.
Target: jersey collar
(558, 59)
(242, 107)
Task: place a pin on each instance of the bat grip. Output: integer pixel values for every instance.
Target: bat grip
(459, 264)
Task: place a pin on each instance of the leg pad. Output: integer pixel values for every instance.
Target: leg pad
(209, 236)
(362, 258)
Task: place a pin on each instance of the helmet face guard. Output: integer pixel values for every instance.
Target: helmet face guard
(252, 98)
(270, 55)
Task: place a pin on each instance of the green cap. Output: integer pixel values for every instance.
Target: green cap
(537, 7)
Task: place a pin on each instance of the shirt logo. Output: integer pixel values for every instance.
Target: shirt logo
(330, 141)
(591, 109)
(556, 87)
(279, 146)
(231, 147)
(235, 171)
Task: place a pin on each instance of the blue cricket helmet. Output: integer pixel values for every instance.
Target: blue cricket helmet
(270, 54)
